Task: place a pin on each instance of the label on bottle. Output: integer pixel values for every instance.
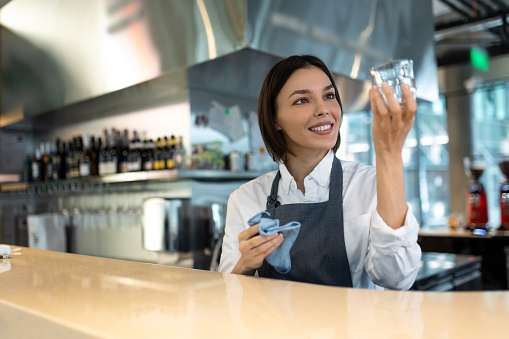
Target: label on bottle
(36, 173)
(84, 170)
(112, 167)
(49, 171)
(124, 167)
(148, 166)
(102, 168)
(170, 164)
(159, 165)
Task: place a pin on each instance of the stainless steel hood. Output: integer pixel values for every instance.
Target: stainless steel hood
(69, 61)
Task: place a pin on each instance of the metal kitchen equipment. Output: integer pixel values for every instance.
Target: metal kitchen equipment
(477, 206)
(504, 193)
(166, 224)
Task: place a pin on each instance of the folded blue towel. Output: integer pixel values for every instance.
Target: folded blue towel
(280, 257)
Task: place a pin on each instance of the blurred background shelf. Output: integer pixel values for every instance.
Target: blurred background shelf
(164, 175)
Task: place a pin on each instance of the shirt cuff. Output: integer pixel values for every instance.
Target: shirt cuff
(384, 237)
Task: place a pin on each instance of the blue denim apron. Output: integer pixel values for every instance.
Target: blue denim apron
(319, 254)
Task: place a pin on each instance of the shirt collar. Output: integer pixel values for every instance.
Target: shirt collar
(321, 173)
(286, 177)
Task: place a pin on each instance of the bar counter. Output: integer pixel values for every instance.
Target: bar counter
(47, 294)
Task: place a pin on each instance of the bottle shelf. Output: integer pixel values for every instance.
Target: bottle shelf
(165, 175)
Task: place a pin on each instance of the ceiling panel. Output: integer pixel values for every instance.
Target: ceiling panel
(463, 24)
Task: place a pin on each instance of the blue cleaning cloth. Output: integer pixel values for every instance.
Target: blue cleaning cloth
(280, 257)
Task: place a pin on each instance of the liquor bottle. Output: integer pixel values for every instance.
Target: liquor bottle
(56, 159)
(104, 156)
(36, 165)
(85, 155)
(170, 162)
(46, 161)
(123, 158)
(76, 154)
(148, 155)
(144, 154)
(65, 163)
(135, 153)
(70, 158)
(158, 155)
(94, 157)
(166, 152)
(114, 153)
(180, 154)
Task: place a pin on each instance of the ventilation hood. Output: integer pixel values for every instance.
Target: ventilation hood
(68, 61)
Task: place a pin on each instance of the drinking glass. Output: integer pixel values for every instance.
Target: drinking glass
(394, 73)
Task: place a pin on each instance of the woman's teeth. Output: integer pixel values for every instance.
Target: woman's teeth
(321, 128)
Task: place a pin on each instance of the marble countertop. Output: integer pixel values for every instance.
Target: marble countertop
(47, 294)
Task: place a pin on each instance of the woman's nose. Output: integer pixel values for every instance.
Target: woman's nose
(321, 108)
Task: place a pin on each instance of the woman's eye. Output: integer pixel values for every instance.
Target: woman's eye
(330, 96)
(300, 101)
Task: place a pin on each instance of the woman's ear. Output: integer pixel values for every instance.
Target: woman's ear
(277, 126)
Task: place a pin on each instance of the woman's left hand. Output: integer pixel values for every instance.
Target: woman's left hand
(392, 122)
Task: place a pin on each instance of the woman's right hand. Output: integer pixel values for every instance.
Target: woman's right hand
(254, 248)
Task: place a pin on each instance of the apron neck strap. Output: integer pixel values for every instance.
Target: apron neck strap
(336, 179)
(272, 198)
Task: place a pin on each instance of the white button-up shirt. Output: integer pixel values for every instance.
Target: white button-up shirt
(378, 255)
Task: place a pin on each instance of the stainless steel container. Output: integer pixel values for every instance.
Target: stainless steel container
(166, 224)
(250, 162)
(235, 161)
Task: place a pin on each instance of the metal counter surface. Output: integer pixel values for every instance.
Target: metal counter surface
(48, 294)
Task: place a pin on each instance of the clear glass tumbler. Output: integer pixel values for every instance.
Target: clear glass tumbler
(394, 73)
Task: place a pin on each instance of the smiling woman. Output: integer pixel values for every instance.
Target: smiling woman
(296, 98)
(309, 117)
(356, 228)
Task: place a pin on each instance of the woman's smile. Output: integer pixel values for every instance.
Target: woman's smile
(322, 128)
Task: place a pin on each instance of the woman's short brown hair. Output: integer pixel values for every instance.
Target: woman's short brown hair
(267, 112)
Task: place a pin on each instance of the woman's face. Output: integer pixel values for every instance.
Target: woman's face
(308, 113)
